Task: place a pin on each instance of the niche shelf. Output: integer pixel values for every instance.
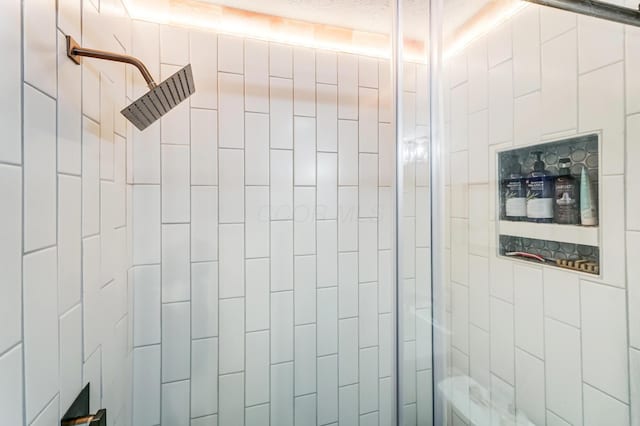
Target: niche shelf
(575, 247)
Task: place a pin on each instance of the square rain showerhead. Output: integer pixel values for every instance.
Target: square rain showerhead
(161, 99)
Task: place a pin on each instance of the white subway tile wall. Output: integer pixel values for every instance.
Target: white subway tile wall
(552, 343)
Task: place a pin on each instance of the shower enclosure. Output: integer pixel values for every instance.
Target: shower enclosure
(346, 223)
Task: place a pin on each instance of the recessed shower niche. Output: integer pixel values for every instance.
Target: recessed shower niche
(548, 203)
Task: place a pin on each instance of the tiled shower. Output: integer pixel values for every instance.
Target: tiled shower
(313, 237)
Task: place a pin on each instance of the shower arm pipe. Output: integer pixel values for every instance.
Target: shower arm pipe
(75, 51)
(596, 9)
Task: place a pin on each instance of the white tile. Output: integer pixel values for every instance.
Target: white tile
(326, 67)
(39, 19)
(282, 394)
(145, 281)
(478, 220)
(204, 62)
(554, 22)
(347, 152)
(409, 77)
(70, 356)
(410, 368)
(408, 288)
(600, 42)
(563, 370)
(230, 54)
(174, 43)
(386, 201)
(327, 389)
(633, 175)
(175, 263)
(409, 115)
(69, 109)
(425, 397)
(49, 415)
(502, 395)
(91, 178)
(348, 405)
(526, 51)
(479, 356)
(69, 16)
(204, 223)
(280, 60)
(257, 149)
(368, 315)
(348, 351)
(348, 285)
(479, 292)
(600, 408)
(368, 253)
(231, 111)
(367, 72)
(423, 278)
(530, 397)
(305, 410)
(174, 126)
(305, 359)
(256, 76)
(11, 395)
(479, 128)
(478, 76)
(176, 347)
(146, 224)
(501, 278)
(633, 282)
(347, 86)
(385, 86)
(204, 377)
(611, 220)
(347, 218)
(257, 297)
(459, 250)
(204, 300)
(386, 149)
(604, 339)
(368, 380)
(207, 421)
(146, 153)
(92, 374)
(460, 185)
(304, 221)
(562, 296)
(368, 185)
(232, 331)
(69, 240)
(559, 83)
(231, 261)
(304, 79)
(460, 317)
(257, 415)
(501, 103)
(282, 255)
(231, 186)
(327, 258)
(40, 330)
(635, 385)
(459, 118)
(281, 185)
(327, 321)
(231, 400)
(554, 420)
(305, 289)
(175, 403)
(529, 310)
(281, 327)
(457, 68)
(281, 108)
(93, 308)
(602, 109)
(527, 119)
(257, 221)
(39, 170)
(499, 42)
(386, 345)
(204, 147)
(257, 368)
(304, 151)
(175, 184)
(368, 121)
(502, 340)
(327, 116)
(327, 186)
(11, 256)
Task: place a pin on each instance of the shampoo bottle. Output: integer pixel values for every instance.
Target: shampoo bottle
(588, 212)
(567, 194)
(514, 192)
(540, 193)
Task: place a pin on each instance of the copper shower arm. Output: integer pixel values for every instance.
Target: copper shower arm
(75, 51)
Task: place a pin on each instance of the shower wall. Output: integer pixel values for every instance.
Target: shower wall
(560, 347)
(263, 226)
(63, 215)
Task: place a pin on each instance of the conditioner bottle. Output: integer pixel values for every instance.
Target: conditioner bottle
(567, 195)
(540, 193)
